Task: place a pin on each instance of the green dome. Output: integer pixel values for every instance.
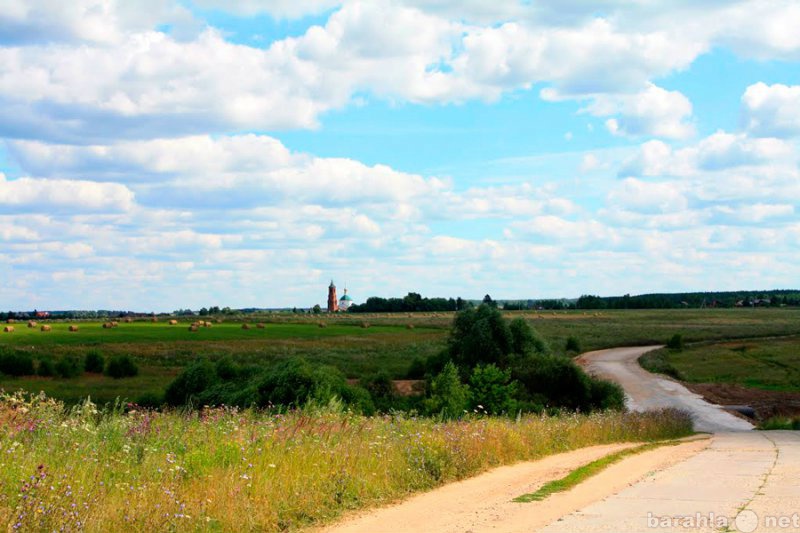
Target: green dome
(346, 297)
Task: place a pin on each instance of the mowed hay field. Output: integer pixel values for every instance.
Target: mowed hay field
(356, 344)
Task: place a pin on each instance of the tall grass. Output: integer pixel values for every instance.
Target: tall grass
(228, 470)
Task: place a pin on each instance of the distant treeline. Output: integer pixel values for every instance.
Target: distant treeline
(774, 298)
(410, 303)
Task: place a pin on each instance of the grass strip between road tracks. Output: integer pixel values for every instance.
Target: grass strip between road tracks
(588, 470)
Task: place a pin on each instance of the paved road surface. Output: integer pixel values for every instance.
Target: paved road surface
(736, 480)
(645, 391)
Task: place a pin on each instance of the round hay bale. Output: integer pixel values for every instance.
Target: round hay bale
(31, 324)
(153, 319)
(46, 328)
(322, 324)
(8, 329)
(409, 326)
(114, 324)
(73, 328)
(219, 321)
(365, 325)
(193, 328)
(260, 325)
(107, 325)
(173, 322)
(128, 320)
(245, 326)
(10, 321)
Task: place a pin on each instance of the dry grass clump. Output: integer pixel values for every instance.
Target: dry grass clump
(228, 470)
(8, 329)
(46, 328)
(73, 328)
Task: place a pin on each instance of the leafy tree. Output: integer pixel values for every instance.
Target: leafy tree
(448, 396)
(317, 309)
(294, 382)
(492, 390)
(524, 339)
(487, 300)
(675, 343)
(479, 336)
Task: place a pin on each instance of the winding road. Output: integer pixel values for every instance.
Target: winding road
(736, 479)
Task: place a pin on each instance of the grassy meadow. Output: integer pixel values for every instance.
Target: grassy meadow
(768, 364)
(388, 342)
(227, 470)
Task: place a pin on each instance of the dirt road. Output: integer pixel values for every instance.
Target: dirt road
(734, 480)
(644, 390)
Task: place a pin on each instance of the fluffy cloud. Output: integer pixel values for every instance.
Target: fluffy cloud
(772, 110)
(47, 195)
(653, 112)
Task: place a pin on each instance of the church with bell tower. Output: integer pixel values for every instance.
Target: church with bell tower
(335, 304)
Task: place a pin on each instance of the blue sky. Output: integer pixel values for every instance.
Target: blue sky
(157, 155)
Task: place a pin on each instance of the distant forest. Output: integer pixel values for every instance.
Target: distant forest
(774, 298)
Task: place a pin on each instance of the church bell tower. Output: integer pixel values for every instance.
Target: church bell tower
(333, 301)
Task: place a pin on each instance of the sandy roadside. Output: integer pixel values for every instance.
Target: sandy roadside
(483, 503)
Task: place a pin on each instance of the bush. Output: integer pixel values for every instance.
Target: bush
(195, 379)
(381, 390)
(675, 342)
(69, 366)
(94, 362)
(226, 369)
(121, 366)
(606, 395)
(553, 381)
(16, 364)
(46, 367)
(573, 345)
(294, 382)
(149, 400)
(416, 370)
(448, 396)
(492, 390)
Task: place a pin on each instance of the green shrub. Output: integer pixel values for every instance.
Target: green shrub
(46, 367)
(16, 364)
(94, 362)
(658, 362)
(226, 369)
(69, 366)
(573, 345)
(606, 395)
(416, 369)
(448, 396)
(149, 400)
(381, 390)
(195, 379)
(121, 366)
(294, 382)
(553, 381)
(492, 390)
(675, 342)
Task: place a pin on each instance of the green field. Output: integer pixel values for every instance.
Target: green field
(769, 364)
(388, 343)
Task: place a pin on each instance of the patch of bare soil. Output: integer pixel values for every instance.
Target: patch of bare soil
(765, 403)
